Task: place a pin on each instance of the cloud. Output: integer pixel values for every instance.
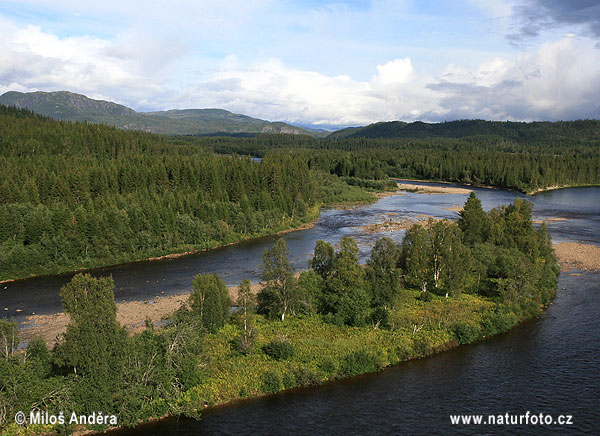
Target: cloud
(559, 80)
(535, 16)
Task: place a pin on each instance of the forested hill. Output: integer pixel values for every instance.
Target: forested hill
(63, 105)
(80, 195)
(571, 132)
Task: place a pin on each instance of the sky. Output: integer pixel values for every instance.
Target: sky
(328, 63)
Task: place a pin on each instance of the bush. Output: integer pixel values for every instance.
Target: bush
(271, 382)
(422, 347)
(425, 296)
(328, 366)
(245, 342)
(359, 362)
(497, 322)
(306, 376)
(288, 380)
(402, 352)
(467, 332)
(380, 316)
(279, 350)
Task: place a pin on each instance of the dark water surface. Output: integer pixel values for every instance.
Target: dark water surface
(549, 365)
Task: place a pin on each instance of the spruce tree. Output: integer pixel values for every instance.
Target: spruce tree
(473, 221)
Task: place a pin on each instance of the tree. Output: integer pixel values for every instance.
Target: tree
(415, 257)
(456, 262)
(246, 302)
(322, 260)
(94, 345)
(280, 293)
(346, 295)
(473, 221)
(382, 273)
(210, 301)
(9, 338)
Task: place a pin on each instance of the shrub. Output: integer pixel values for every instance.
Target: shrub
(271, 382)
(402, 352)
(425, 296)
(359, 362)
(497, 322)
(288, 380)
(467, 332)
(380, 316)
(422, 347)
(306, 376)
(279, 350)
(245, 342)
(328, 366)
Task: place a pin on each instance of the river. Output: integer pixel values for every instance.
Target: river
(547, 365)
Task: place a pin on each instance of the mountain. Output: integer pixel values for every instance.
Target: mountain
(64, 105)
(522, 132)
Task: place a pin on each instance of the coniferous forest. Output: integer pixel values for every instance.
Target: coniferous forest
(79, 195)
(76, 195)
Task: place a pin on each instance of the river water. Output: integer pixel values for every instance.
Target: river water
(548, 365)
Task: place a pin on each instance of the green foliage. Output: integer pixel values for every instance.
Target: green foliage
(279, 350)
(311, 290)
(435, 259)
(346, 296)
(77, 195)
(380, 317)
(467, 332)
(425, 296)
(359, 362)
(280, 294)
(94, 345)
(383, 275)
(473, 221)
(9, 338)
(271, 382)
(323, 258)
(306, 376)
(210, 301)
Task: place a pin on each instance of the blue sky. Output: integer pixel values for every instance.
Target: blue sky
(315, 62)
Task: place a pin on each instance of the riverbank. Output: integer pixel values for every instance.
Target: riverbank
(556, 187)
(576, 255)
(428, 189)
(308, 222)
(133, 314)
(323, 352)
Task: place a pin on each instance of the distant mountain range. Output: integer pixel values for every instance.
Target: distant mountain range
(64, 105)
(509, 130)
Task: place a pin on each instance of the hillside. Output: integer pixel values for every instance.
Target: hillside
(82, 195)
(64, 105)
(520, 132)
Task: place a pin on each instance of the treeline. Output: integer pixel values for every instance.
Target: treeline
(446, 283)
(77, 195)
(579, 132)
(524, 163)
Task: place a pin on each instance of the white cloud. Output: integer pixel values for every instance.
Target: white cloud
(560, 80)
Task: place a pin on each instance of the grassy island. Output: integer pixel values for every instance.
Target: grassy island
(446, 284)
